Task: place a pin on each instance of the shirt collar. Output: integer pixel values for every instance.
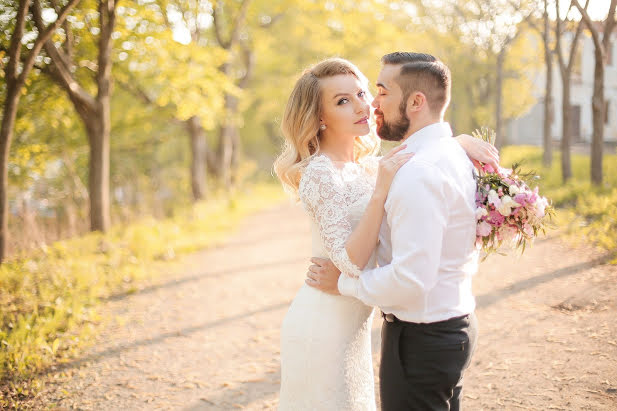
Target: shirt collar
(428, 134)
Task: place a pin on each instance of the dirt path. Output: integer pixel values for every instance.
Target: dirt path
(208, 337)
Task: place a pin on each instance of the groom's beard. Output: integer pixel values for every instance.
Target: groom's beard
(395, 131)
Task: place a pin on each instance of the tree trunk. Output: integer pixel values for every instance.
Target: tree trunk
(199, 159)
(227, 135)
(14, 82)
(95, 112)
(235, 155)
(97, 128)
(6, 136)
(598, 108)
(547, 155)
(597, 102)
(566, 166)
(501, 140)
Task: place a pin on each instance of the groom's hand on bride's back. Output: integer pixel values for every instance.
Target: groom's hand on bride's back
(323, 275)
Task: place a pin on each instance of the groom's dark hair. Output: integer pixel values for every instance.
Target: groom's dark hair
(422, 72)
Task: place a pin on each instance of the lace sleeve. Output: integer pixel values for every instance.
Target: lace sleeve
(323, 196)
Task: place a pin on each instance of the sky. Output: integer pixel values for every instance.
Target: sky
(597, 10)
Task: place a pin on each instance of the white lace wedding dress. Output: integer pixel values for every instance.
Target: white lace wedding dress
(326, 361)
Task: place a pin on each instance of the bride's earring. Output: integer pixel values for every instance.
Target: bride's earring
(322, 127)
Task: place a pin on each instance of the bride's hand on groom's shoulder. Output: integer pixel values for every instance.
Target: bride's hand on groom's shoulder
(388, 166)
(479, 150)
(323, 275)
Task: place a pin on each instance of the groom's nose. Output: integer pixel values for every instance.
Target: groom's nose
(375, 103)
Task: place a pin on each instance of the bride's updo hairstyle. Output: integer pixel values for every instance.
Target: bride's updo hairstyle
(300, 124)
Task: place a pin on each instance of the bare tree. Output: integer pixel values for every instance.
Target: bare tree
(597, 102)
(545, 33)
(547, 154)
(504, 47)
(229, 137)
(94, 111)
(566, 74)
(17, 70)
(199, 159)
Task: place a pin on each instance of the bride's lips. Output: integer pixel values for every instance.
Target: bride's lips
(364, 120)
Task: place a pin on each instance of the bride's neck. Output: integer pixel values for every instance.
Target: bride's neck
(338, 150)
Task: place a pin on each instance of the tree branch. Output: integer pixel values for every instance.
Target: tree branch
(249, 59)
(235, 28)
(15, 46)
(45, 35)
(107, 17)
(217, 27)
(609, 25)
(137, 92)
(579, 30)
(238, 22)
(62, 72)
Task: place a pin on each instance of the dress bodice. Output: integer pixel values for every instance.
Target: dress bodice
(336, 198)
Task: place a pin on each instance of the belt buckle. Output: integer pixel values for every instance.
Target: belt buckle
(389, 317)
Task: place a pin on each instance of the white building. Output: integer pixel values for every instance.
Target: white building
(527, 129)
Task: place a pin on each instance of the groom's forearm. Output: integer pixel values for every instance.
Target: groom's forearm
(386, 286)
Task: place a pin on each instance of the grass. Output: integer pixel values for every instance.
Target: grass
(586, 212)
(49, 298)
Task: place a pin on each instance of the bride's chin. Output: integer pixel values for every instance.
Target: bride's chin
(365, 130)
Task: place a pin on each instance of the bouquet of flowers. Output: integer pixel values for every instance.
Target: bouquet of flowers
(507, 210)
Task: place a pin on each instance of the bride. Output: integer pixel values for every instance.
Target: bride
(329, 162)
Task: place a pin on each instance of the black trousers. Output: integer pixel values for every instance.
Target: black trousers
(422, 365)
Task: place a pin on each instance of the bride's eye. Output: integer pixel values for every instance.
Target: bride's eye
(362, 94)
(342, 101)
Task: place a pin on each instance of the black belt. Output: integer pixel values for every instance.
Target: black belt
(391, 318)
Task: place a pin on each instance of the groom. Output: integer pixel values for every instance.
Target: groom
(426, 247)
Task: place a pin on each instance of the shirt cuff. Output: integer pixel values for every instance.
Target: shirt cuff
(348, 285)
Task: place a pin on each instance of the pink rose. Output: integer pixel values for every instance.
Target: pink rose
(484, 229)
(521, 198)
(495, 217)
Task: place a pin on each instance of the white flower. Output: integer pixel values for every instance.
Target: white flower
(493, 198)
(514, 190)
(506, 206)
(481, 212)
(541, 204)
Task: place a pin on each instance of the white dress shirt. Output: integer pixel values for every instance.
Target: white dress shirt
(426, 253)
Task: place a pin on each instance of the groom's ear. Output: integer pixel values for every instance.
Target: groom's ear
(415, 102)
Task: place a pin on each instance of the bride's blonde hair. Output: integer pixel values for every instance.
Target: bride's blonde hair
(300, 124)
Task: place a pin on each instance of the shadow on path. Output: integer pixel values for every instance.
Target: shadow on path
(242, 395)
(488, 299)
(197, 277)
(110, 352)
